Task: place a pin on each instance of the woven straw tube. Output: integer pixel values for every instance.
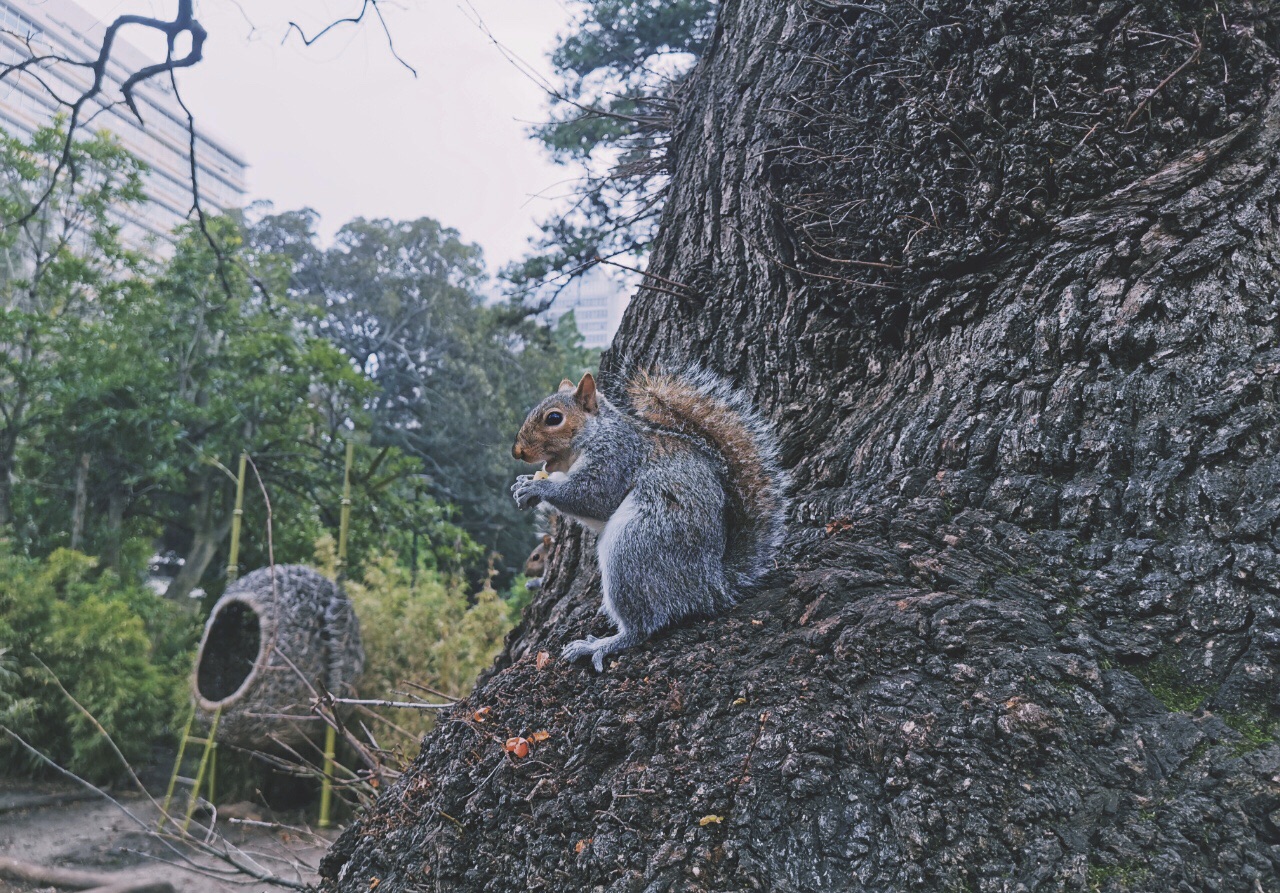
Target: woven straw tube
(272, 640)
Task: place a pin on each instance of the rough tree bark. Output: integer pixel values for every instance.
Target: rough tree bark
(1004, 274)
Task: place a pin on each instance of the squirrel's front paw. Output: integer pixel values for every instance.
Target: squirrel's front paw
(526, 491)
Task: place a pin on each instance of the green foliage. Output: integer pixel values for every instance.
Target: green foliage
(54, 271)
(619, 69)
(617, 56)
(452, 376)
(116, 647)
(429, 631)
(170, 378)
(129, 387)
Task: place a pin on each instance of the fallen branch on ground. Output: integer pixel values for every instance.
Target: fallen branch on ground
(70, 878)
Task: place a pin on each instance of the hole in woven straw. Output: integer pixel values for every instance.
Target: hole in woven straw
(229, 652)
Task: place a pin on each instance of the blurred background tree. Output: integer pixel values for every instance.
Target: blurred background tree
(452, 375)
(129, 384)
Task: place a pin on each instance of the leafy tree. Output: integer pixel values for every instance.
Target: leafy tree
(620, 68)
(454, 376)
(171, 379)
(55, 268)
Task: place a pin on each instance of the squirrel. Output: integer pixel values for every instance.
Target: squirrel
(683, 488)
(536, 564)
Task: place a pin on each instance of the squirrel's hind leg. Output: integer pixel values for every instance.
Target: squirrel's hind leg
(599, 649)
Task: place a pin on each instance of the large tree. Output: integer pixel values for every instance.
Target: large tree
(1004, 276)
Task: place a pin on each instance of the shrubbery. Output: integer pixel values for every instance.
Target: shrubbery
(118, 649)
(429, 631)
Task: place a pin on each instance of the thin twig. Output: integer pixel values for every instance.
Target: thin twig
(645, 273)
(356, 19)
(429, 690)
(378, 702)
(1191, 60)
(271, 550)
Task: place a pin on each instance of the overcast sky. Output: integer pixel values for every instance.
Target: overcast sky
(342, 127)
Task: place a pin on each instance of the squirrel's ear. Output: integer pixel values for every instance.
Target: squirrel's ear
(586, 394)
(566, 385)
(546, 539)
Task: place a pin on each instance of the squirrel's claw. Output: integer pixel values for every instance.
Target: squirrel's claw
(581, 648)
(525, 491)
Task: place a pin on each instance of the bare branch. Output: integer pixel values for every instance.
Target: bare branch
(356, 19)
(378, 702)
(184, 22)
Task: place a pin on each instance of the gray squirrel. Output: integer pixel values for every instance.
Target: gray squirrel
(536, 564)
(684, 491)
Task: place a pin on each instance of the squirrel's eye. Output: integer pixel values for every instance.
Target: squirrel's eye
(554, 418)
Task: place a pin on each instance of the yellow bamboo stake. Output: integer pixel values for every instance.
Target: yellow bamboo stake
(326, 787)
(177, 766)
(330, 736)
(344, 523)
(233, 562)
(204, 765)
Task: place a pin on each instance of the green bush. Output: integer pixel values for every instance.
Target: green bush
(430, 632)
(119, 649)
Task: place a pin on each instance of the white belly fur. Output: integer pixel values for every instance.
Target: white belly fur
(591, 524)
(608, 542)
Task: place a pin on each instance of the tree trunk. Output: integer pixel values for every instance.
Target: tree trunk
(117, 501)
(208, 532)
(80, 504)
(6, 496)
(1004, 275)
(8, 462)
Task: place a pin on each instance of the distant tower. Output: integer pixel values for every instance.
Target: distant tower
(597, 302)
(63, 28)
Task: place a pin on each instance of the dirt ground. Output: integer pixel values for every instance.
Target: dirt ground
(96, 835)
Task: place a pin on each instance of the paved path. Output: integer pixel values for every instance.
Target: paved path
(95, 835)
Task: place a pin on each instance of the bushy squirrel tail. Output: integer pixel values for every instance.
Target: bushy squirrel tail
(697, 403)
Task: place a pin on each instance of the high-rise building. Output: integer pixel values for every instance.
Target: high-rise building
(597, 302)
(60, 27)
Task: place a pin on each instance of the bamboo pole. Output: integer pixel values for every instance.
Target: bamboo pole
(326, 787)
(204, 765)
(233, 565)
(330, 737)
(344, 523)
(177, 766)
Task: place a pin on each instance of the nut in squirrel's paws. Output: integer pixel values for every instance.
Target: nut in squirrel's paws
(541, 475)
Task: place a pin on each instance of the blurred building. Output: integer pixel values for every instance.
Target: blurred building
(61, 27)
(597, 302)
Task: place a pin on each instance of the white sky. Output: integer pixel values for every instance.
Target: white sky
(341, 127)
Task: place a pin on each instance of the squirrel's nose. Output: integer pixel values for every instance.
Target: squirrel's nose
(517, 453)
